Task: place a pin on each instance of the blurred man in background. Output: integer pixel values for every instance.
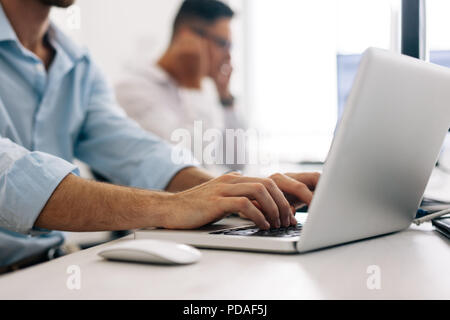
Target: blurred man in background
(172, 93)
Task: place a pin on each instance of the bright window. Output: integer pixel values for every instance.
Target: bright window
(295, 48)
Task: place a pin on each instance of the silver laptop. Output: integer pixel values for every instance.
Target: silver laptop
(384, 151)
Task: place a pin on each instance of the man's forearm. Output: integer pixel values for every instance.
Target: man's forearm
(79, 205)
(187, 179)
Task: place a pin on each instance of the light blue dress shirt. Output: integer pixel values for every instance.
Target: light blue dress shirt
(48, 118)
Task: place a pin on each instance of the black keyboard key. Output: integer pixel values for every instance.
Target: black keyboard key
(293, 231)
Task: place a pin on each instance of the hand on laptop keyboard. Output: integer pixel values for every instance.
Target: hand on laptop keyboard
(264, 201)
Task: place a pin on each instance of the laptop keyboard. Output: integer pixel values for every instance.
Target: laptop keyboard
(290, 232)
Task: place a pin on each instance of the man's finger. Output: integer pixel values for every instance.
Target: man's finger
(258, 192)
(311, 179)
(293, 187)
(246, 207)
(276, 194)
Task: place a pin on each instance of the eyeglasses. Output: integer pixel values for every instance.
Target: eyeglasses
(220, 42)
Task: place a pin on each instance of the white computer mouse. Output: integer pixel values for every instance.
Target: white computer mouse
(151, 251)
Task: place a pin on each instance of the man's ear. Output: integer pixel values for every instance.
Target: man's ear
(177, 34)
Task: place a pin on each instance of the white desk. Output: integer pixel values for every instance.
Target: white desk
(414, 264)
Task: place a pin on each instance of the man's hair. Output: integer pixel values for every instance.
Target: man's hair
(58, 3)
(208, 11)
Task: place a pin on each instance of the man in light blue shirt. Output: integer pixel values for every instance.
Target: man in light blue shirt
(55, 105)
(66, 112)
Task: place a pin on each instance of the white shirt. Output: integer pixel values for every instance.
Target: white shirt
(151, 97)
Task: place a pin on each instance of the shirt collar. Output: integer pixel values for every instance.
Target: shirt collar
(57, 38)
(60, 41)
(161, 75)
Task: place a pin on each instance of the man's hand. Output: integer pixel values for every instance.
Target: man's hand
(190, 55)
(297, 187)
(222, 81)
(260, 200)
(108, 207)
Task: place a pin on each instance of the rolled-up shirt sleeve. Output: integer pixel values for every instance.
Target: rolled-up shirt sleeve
(119, 149)
(27, 181)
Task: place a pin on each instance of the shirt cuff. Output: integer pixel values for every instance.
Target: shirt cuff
(27, 186)
(158, 171)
